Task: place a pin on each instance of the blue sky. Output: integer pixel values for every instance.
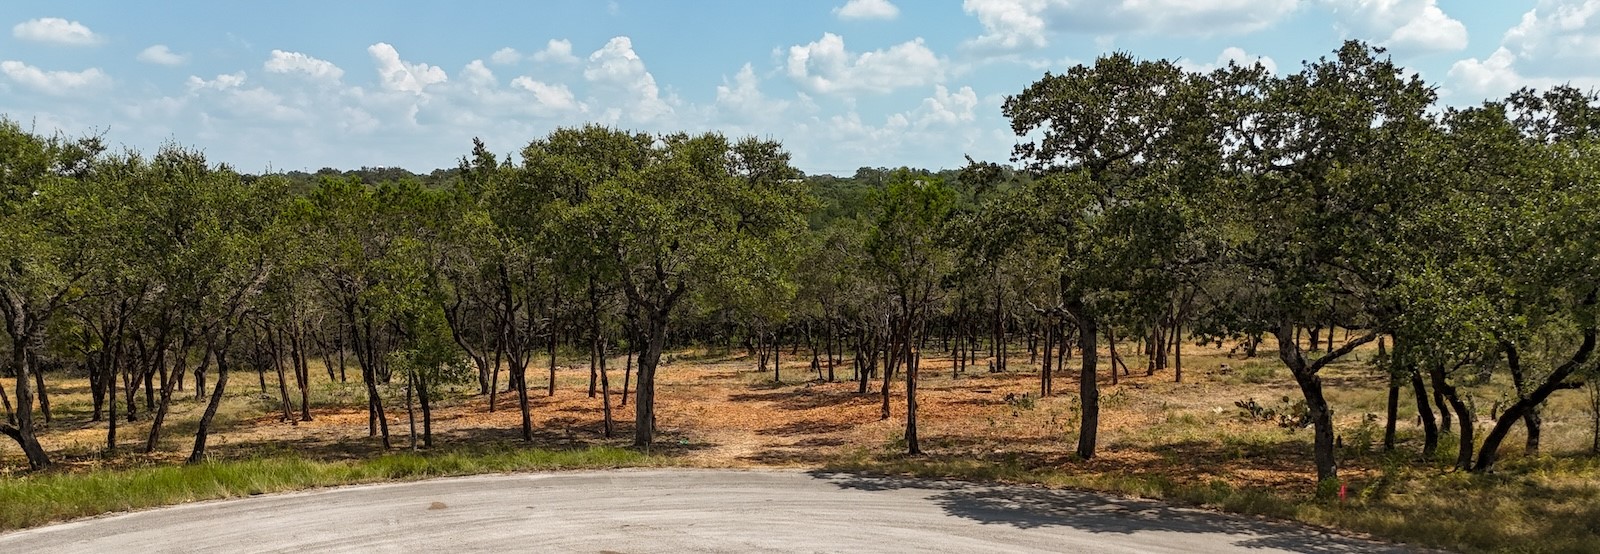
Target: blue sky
(842, 83)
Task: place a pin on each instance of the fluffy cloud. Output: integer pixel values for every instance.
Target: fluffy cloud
(54, 83)
(1413, 25)
(1492, 75)
(295, 62)
(556, 97)
(556, 51)
(743, 98)
(56, 31)
(620, 76)
(397, 75)
(1012, 25)
(1231, 54)
(867, 9)
(826, 66)
(506, 56)
(161, 55)
(1554, 43)
(945, 108)
(222, 82)
(1557, 34)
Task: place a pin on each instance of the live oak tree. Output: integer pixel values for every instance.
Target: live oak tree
(685, 212)
(1541, 253)
(1317, 156)
(49, 250)
(909, 257)
(1103, 159)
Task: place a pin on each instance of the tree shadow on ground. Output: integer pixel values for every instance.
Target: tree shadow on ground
(805, 398)
(556, 433)
(1036, 507)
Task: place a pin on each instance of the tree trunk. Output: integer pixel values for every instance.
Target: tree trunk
(411, 414)
(644, 405)
(829, 348)
(425, 398)
(1531, 418)
(1044, 369)
(1305, 376)
(366, 358)
(913, 447)
(302, 367)
(22, 358)
(44, 392)
(1533, 422)
(1557, 380)
(891, 362)
(1430, 429)
(1111, 345)
(199, 453)
(551, 350)
(283, 382)
(1444, 410)
(1442, 387)
(1177, 351)
(627, 371)
(160, 414)
(1088, 384)
(777, 347)
(605, 388)
(517, 376)
(1390, 415)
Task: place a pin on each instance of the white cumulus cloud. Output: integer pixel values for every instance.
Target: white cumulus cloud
(867, 9)
(557, 51)
(398, 75)
(556, 97)
(1013, 25)
(295, 62)
(1232, 54)
(945, 107)
(222, 82)
(506, 56)
(159, 54)
(742, 97)
(1414, 25)
(826, 66)
(54, 83)
(55, 30)
(1556, 42)
(618, 73)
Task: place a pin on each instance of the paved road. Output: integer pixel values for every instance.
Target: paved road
(678, 510)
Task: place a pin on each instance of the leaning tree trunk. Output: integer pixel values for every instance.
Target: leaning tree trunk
(1556, 380)
(217, 390)
(22, 358)
(1442, 386)
(1305, 373)
(160, 415)
(1430, 429)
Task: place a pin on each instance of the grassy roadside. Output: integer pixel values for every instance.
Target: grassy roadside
(1529, 505)
(38, 499)
(1543, 504)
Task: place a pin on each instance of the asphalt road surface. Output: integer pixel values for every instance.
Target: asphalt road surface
(681, 510)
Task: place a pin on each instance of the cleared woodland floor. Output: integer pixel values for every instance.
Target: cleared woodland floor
(1187, 442)
(719, 410)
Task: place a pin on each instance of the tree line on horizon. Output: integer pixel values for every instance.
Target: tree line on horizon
(1145, 204)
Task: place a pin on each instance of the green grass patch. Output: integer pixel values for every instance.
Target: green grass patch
(41, 498)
